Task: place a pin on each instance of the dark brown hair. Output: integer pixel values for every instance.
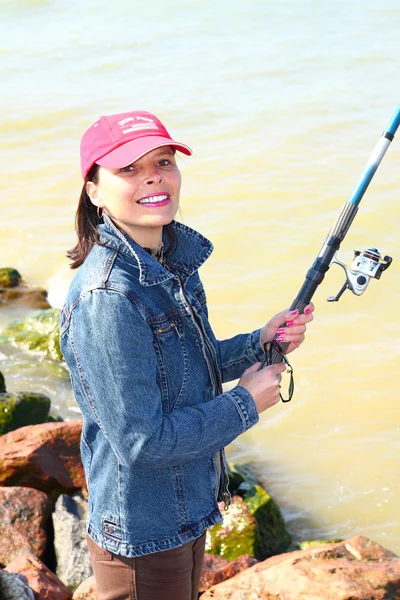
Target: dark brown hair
(86, 222)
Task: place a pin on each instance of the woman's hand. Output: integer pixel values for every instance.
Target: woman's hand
(289, 327)
(263, 385)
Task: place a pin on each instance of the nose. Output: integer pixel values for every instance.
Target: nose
(153, 176)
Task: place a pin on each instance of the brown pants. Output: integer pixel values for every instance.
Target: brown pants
(169, 575)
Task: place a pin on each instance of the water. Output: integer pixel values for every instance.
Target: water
(282, 104)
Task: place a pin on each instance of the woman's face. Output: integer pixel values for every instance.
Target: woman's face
(142, 197)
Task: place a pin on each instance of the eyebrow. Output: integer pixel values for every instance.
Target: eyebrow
(164, 149)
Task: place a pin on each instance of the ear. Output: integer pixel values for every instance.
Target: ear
(92, 190)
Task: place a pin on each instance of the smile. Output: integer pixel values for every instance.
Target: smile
(159, 199)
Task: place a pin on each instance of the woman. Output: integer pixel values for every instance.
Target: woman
(146, 369)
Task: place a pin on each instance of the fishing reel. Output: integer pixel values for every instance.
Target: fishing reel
(366, 265)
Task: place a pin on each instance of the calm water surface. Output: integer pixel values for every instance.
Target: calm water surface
(282, 104)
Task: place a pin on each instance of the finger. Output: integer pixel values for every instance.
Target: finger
(292, 330)
(278, 319)
(304, 318)
(277, 368)
(297, 338)
(254, 368)
(309, 308)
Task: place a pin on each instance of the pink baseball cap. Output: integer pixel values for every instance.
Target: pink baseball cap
(116, 141)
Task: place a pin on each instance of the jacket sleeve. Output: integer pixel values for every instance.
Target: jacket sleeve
(115, 365)
(238, 354)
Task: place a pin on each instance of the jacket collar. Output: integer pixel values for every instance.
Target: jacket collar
(184, 257)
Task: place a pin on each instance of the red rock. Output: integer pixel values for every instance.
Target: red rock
(45, 457)
(357, 568)
(45, 585)
(217, 569)
(23, 516)
(86, 591)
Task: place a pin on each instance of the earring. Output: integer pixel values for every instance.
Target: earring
(99, 213)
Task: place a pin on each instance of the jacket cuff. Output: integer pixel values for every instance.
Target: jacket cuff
(254, 347)
(245, 405)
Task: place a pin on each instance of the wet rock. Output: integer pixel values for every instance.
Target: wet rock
(22, 408)
(356, 568)
(13, 290)
(217, 569)
(24, 513)
(9, 277)
(86, 591)
(40, 579)
(73, 558)
(39, 332)
(12, 588)
(253, 524)
(45, 457)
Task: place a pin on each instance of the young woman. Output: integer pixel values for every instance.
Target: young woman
(147, 370)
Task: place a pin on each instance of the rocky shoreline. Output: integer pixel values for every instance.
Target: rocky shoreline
(43, 553)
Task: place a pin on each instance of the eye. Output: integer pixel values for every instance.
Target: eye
(127, 169)
(164, 162)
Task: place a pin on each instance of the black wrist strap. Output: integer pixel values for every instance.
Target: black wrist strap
(268, 349)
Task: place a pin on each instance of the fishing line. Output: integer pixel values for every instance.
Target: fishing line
(367, 264)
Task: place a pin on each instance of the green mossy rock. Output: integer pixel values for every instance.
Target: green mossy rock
(259, 530)
(39, 332)
(237, 535)
(2, 383)
(22, 408)
(9, 277)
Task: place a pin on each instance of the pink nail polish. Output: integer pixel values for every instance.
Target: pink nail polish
(289, 323)
(280, 331)
(280, 338)
(294, 312)
(307, 311)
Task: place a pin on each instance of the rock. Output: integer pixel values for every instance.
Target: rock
(24, 513)
(86, 591)
(356, 569)
(13, 290)
(73, 558)
(9, 277)
(252, 525)
(12, 588)
(272, 537)
(236, 535)
(2, 383)
(40, 579)
(22, 408)
(39, 332)
(45, 457)
(217, 569)
(313, 543)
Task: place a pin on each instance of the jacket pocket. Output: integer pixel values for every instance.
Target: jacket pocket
(172, 362)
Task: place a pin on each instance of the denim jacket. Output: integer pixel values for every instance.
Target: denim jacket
(147, 374)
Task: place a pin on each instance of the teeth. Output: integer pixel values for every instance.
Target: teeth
(153, 199)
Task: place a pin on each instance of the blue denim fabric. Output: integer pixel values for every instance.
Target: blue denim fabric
(147, 374)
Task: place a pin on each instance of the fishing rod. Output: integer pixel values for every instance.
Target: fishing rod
(367, 264)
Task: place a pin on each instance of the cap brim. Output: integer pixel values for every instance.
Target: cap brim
(131, 151)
